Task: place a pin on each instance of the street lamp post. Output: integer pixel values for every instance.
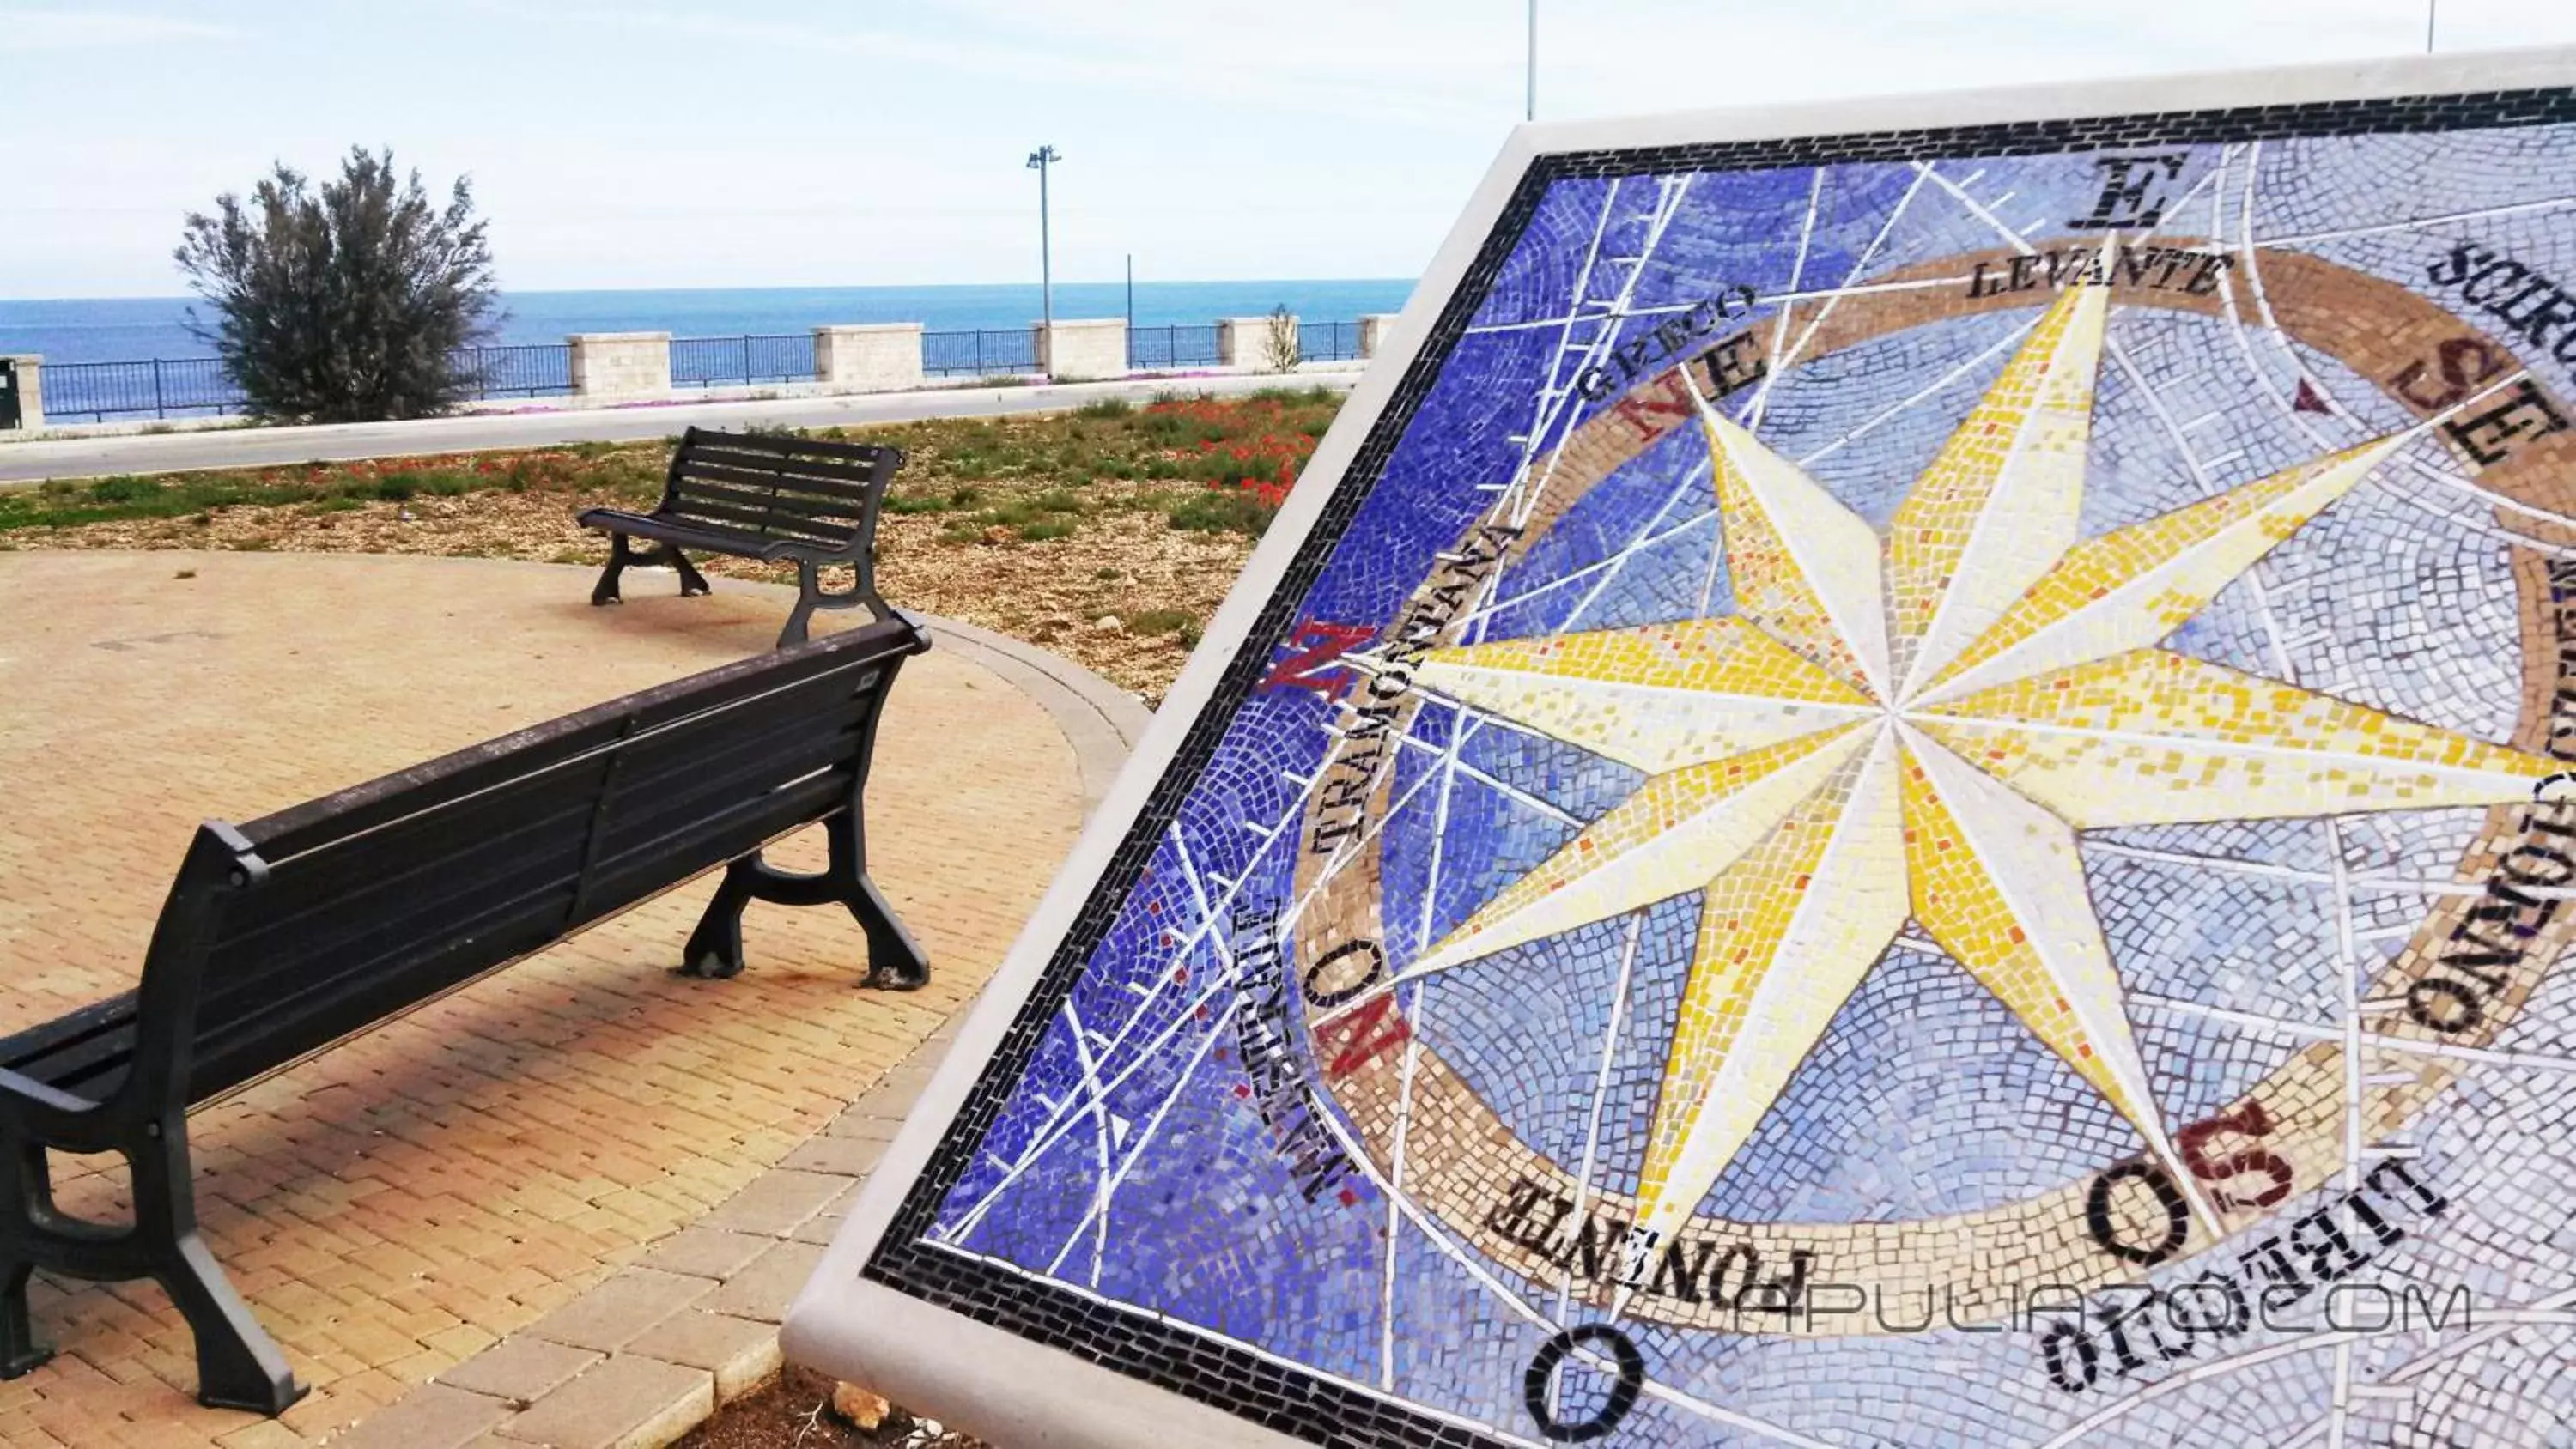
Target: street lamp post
(1039, 160)
(1529, 96)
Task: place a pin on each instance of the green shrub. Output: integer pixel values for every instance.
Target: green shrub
(345, 302)
(1215, 510)
(122, 490)
(1161, 621)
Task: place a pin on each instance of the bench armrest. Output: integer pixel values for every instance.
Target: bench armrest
(49, 1111)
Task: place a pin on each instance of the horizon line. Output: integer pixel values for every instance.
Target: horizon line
(807, 287)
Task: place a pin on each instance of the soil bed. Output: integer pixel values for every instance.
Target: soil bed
(795, 1412)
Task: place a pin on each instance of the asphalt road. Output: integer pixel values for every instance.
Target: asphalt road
(92, 457)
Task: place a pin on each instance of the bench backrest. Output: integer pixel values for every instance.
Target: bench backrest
(291, 932)
(810, 491)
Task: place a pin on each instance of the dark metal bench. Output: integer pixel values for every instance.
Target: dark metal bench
(774, 498)
(293, 932)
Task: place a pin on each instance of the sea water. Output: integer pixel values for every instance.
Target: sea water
(135, 328)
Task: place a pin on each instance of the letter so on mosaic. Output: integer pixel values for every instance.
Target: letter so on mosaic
(1910, 778)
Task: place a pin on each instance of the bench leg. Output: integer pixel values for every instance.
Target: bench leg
(811, 595)
(692, 583)
(715, 947)
(19, 1350)
(895, 960)
(238, 1364)
(24, 1186)
(621, 554)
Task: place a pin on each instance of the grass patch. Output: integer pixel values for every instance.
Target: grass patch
(1220, 511)
(935, 500)
(1165, 621)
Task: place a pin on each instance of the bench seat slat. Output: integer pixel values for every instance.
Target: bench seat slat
(376, 934)
(726, 450)
(778, 445)
(243, 1048)
(425, 853)
(850, 492)
(729, 450)
(787, 509)
(727, 514)
(667, 529)
(71, 1051)
(639, 871)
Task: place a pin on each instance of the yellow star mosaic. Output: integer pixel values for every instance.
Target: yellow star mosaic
(1915, 728)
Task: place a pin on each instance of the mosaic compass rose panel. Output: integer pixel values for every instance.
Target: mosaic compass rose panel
(1917, 792)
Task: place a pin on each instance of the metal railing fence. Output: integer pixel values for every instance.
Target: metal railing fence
(192, 386)
(168, 387)
(979, 352)
(753, 357)
(525, 369)
(161, 386)
(1328, 341)
(1172, 346)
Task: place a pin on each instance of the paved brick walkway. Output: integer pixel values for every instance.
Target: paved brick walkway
(411, 1198)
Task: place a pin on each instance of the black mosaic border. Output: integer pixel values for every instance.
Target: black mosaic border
(1289, 1400)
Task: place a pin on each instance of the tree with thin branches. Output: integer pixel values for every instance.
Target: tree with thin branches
(347, 301)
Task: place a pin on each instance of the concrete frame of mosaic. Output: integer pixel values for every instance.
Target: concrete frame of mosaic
(1906, 781)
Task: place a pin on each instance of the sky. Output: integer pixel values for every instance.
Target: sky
(684, 143)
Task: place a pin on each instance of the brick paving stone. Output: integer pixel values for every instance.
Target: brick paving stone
(519, 1370)
(628, 1402)
(864, 1127)
(821, 1227)
(777, 1203)
(406, 1200)
(266, 1434)
(847, 1156)
(741, 1352)
(612, 1313)
(765, 1288)
(901, 1089)
(434, 1417)
(705, 1252)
